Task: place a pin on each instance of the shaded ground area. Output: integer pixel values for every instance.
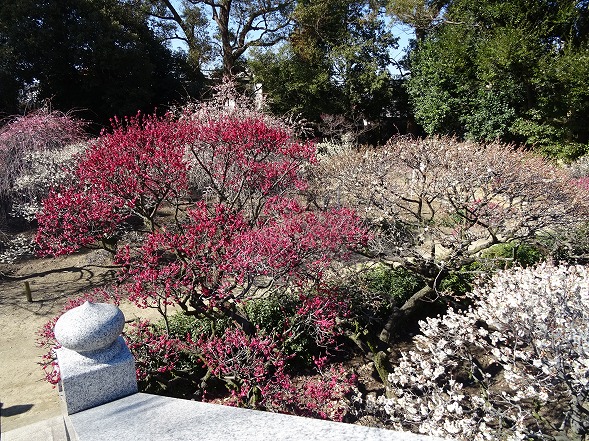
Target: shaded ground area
(25, 396)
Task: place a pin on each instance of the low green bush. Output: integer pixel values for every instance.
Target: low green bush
(180, 324)
(505, 255)
(270, 314)
(277, 316)
(460, 282)
(396, 284)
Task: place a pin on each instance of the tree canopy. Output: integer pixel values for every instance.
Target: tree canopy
(96, 55)
(336, 62)
(513, 70)
(510, 70)
(238, 26)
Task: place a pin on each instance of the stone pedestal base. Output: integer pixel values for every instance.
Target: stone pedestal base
(90, 379)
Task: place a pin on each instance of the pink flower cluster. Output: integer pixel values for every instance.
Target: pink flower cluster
(582, 182)
(40, 130)
(327, 395)
(22, 141)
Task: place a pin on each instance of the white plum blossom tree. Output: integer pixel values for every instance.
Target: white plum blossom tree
(437, 205)
(513, 366)
(45, 169)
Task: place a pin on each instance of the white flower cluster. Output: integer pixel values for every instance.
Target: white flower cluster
(45, 169)
(580, 168)
(439, 199)
(514, 365)
(15, 248)
(331, 147)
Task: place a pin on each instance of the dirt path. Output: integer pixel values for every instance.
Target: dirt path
(25, 396)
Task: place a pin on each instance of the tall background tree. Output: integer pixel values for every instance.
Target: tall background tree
(237, 26)
(421, 15)
(336, 61)
(99, 56)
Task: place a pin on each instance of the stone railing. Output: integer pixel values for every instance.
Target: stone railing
(99, 390)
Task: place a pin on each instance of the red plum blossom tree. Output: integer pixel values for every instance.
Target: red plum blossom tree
(217, 191)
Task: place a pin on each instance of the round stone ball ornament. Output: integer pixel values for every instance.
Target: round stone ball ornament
(89, 327)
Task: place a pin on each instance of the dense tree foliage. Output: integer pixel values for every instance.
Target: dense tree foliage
(98, 56)
(421, 15)
(510, 70)
(514, 71)
(336, 61)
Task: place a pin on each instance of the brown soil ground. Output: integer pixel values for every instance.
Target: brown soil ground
(25, 397)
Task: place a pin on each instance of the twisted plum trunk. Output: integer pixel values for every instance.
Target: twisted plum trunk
(400, 316)
(577, 417)
(225, 310)
(242, 321)
(398, 319)
(5, 205)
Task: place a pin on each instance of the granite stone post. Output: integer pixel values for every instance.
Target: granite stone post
(95, 364)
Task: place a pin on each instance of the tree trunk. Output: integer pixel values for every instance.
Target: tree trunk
(399, 317)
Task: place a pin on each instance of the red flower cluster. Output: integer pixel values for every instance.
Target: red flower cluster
(71, 219)
(241, 156)
(141, 162)
(153, 352)
(255, 370)
(131, 171)
(252, 366)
